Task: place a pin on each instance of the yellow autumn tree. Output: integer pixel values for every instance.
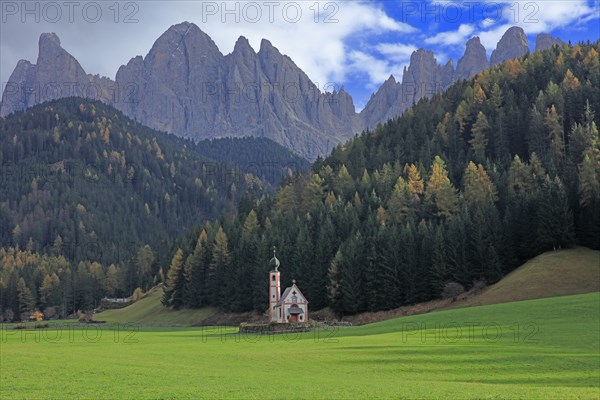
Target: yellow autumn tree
(479, 188)
(440, 194)
(415, 182)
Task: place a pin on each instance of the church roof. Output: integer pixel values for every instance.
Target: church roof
(287, 292)
(295, 310)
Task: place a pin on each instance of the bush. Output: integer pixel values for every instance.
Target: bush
(50, 313)
(85, 316)
(478, 286)
(452, 290)
(137, 294)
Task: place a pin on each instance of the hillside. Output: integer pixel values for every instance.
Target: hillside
(84, 172)
(551, 274)
(556, 273)
(260, 157)
(150, 310)
(91, 201)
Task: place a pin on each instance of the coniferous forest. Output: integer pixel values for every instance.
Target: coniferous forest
(90, 200)
(461, 189)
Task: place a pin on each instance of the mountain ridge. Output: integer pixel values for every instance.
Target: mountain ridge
(186, 86)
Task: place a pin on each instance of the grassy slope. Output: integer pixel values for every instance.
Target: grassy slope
(150, 310)
(554, 353)
(555, 273)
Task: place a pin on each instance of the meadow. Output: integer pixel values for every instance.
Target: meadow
(548, 348)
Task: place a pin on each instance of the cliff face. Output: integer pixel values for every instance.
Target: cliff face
(544, 41)
(473, 61)
(56, 74)
(185, 86)
(513, 44)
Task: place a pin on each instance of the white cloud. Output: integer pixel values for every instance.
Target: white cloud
(486, 23)
(378, 70)
(450, 38)
(397, 52)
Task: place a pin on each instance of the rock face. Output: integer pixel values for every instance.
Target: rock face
(473, 61)
(544, 41)
(513, 44)
(185, 86)
(383, 105)
(56, 74)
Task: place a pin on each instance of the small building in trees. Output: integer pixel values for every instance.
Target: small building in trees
(292, 306)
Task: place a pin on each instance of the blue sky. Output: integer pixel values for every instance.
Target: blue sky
(353, 43)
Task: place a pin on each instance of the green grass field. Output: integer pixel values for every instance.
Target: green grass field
(545, 348)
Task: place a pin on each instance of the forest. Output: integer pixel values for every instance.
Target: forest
(461, 189)
(90, 199)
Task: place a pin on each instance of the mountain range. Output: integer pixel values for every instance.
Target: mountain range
(187, 87)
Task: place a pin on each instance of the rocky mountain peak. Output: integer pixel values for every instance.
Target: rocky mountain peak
(545, 41)
(49, 39)
(473, 61)
(513, 44)
(266, 47)
(242, 45)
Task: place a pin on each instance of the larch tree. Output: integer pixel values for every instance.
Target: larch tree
(479, 188)
(440, 194)
(175, 286)
(415, 182)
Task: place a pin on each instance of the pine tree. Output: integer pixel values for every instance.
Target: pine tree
(219, 269)
(479, 138)
(26, 300)
(344, 183)
(400, 203)
(555, 135)
(589, 185)
(196, 273)
(333, 287)
(440, 271)
(144, 261)
(555, 227)
(536, 136)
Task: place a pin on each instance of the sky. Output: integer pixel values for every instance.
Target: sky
(351, 43)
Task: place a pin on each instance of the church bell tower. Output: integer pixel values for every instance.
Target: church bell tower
(274, 287)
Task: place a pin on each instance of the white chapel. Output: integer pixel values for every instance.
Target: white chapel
(292, 306)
